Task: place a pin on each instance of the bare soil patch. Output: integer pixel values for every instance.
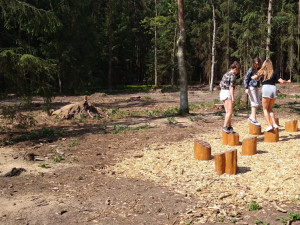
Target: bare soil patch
(134, 164)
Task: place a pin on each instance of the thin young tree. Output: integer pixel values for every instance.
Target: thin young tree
(269, 29)
(155, 45)
(110, 45)
(213, 51)
(184, 106)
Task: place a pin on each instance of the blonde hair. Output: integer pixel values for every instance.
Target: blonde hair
(266, 70)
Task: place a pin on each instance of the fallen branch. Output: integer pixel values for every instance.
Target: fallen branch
(278, 208)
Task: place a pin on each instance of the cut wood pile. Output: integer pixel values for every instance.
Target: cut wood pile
(77, 110)
(270, 175)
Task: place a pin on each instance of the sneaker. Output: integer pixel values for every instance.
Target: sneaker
(269, 128)
(275, 126)
(231, 130)
(254, 122)
(226, 129)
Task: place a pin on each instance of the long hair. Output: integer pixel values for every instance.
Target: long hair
(254, 62)
(266, 70)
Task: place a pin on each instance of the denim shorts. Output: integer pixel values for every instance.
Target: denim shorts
(269, 91)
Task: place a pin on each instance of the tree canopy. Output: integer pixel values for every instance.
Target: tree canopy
(73, 46)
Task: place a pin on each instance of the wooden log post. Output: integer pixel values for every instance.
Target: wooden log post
(272, 135)
(231, 162)
(291, 126)
(276, 121)
(220, 163)
(202, 150)
(224, 138)
(254, 130)
(249, 146)
(233, 139)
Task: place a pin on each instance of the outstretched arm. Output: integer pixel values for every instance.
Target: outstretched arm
(284, 81)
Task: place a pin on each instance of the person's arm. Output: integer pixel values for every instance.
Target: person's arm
(280, 80)
(247, 80)
(254, 77)
(231, 89)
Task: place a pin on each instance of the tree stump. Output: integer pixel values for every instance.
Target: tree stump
(231, 162)
(224, 138)
(233, 139)
(249, 146)
(254, 130)
(220, 163)
(202, 150)
(291, 126)
(272, 136)
(276, 121)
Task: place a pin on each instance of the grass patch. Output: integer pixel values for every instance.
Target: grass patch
(119, 128)
(171, 112)
(172, 120)
(253, 206)
(43, 133)
(44, 165)
(281, 96)
(58, 158)
(292, 217)
(260, 222)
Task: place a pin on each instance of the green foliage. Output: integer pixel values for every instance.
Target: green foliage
(44, 165)
(260, 222)
(58, 158)
(171, 112)
(59, 47)
(281, 96)
(172, 120)
(253, 206)
(119, 128)
(292, 217)
(43, 133)
(218, 113)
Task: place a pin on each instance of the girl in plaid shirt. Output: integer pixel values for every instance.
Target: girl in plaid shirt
(227, 94)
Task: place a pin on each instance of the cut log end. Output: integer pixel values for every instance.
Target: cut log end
(249, 146)
(272, 136)
(291, 126)
(220, 163)
(231, 162)
(254, 130)
(233, 139)
(202, 150)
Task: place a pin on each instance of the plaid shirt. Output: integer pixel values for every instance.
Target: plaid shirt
(227, 81)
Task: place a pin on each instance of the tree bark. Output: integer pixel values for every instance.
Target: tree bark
(173, 57)
(109, 81)
(155, 46)
(213, 49)
(184, 106)
(269, 29)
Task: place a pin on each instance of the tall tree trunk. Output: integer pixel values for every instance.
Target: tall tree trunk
(213, 50)
(228, 35)
(155, 46)
(110, 44)
(269, 29)
(184, 105)
(173, 57)
(298, 55)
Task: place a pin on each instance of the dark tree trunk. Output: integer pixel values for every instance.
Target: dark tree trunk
(184, 106)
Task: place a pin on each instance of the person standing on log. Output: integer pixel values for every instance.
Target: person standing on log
(227, 85)
(269, 91)
(251, 89)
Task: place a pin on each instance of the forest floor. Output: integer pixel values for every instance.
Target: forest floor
(135, 164)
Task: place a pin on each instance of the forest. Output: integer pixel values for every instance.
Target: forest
(53, 47)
